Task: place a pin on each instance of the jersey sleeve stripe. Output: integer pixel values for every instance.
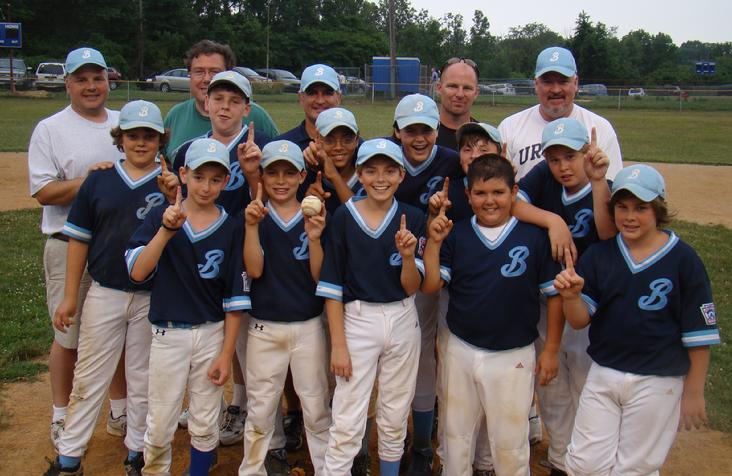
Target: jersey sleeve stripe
(329, 291)
(521, 195)
(445, 273)
(699, 338)
(591, 304)
(237, 303)
(130, 258)
(420, 266)
(77, 232)
(547, 288)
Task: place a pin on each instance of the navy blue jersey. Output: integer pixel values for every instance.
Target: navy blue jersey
(108, 209)
(362, 263)
(200, 274)
(494, 286)
(235, 197)
(456, 192)
(298, 135)
(644, 314)
(286, 291)
(540, 189)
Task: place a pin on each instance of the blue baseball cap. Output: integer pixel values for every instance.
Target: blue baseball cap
(555, 59)
(319, 73)
(417, 109)
(235, 79)
(480, 128)
(282, 150)
(207, 151)
(566, 132)
(641, 180)
(141, 114)
(335, 117)
(375, 147)
(83, 56)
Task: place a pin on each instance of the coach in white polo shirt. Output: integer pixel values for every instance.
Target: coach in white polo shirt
(62, 149)
(556, 85)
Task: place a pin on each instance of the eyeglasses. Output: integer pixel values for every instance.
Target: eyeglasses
(345, 141)
(456, 60)
(202, 73)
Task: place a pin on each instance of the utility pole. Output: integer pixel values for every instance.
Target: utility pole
(392, 52)
(141, 42)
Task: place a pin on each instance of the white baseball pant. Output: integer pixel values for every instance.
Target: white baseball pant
(428, 310)
(112, 320)
(383, 341)
(180, 357)
(443, 336)
(273, 347)
(502, 384)
(625, 424)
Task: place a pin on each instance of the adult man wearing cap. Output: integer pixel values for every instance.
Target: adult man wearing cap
(62, 150)
(190, 119)
(556, 86)
(458, 89)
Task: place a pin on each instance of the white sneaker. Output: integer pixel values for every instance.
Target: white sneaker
(183, 419)
(535, 432)
(57, 427)
(117, 426)
(232, 427)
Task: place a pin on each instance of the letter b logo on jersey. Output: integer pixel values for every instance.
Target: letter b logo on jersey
(432, 186)
(210, 269)
(236, 179)
(395, 259)
(660, 288)
(517, 266)
(153, 200)
(581, 225)
(302, 252)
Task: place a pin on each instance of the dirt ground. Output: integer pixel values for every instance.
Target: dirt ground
(24, 431)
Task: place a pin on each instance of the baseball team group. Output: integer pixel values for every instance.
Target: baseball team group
(491, 283)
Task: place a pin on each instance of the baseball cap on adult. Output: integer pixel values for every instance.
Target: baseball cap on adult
(555, 59)
(416, 109)
(641, 180)
(319, 73)
(282, 150)
(374, 147)
(141, 114)
(564, 131)
(83, 56)
(207, 151)
(235, 79)
(335, 117)
(479, 128)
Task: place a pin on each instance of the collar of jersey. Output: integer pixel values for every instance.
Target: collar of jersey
(198, 236)
(492, 245)
(285, 225)
(133, 184)
(415, 170)
(351, 206)
(637, 267)
(568, 199)
(235, 141)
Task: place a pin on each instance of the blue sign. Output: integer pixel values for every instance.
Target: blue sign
(706, 67)
(10, 35)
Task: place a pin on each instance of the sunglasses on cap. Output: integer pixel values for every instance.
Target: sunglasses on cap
(456, 60)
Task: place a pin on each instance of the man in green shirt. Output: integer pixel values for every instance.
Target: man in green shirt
(189, 119)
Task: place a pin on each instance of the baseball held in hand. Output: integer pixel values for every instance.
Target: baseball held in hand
(311, 205)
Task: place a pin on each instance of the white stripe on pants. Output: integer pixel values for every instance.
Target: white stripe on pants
(502, 384)
(112, 320)
(272, 348)
(180, 356)
(383, 341)
(625, 424)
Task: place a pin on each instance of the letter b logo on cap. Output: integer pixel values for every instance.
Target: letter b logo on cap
(283, 148)
(212, 147)
(560, 129)
(555, 57)
(319, 72)
(419, 107)
(143, 111)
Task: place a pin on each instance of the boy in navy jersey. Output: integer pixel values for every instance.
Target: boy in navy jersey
(369, 278)
(495, 267)
(283, 256)
(192, 252)
(647, 299)
(111, 204)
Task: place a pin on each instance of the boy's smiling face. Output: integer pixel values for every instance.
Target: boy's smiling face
(281, 180)
(226, 109)
(491, 201)
(380, 177)
(205, 183)
(417, 142)
(140, 145)
(567, 167)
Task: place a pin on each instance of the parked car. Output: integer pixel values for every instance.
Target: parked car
(505, 89)
(636, 92)
(354, 84)
(290, 82)
(50, 76)
(114, 76)
(523, 87)
(172, 80)
(251, 75)
(21, 73)
(592, 90)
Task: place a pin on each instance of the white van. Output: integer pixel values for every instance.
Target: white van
(50, 76)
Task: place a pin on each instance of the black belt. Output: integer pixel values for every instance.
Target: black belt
(60, 237)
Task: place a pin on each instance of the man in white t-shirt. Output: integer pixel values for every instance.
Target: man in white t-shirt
(62, 150)
(556, 85)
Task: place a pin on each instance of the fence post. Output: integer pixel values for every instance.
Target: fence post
(619, 92)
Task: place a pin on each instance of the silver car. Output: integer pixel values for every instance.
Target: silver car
(174, 80)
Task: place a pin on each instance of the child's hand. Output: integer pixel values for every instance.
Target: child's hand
(315, 224)
(547, 366)
(340, 362)
(219, 371)
(256, 211)
(310, 154)
(174, 216)
(560, 239)
(693, 411)
(568, 283)
(100, 166)
(405, 240)
(596, 161)
(316, 188)
(440, 226)
(249, 154)
(439, 199)
(64, 315)
(167, 181)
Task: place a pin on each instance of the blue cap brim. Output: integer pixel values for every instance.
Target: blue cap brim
(280, 158)
(330, 127)
(207, 159)
(227, 81)
(79, 66)
(557, 69)
(573, 144)
(365, 158)
(639, 191)
(335, 87)
(426, 120)
(147, 125)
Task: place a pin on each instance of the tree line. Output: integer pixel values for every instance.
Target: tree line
(142, 36)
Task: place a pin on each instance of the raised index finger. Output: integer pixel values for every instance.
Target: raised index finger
(568, 261)
(250, 137)
(403, 223)
(259, 192)
(163, 164)
(178, 197)
(593, 138)
(446, 185)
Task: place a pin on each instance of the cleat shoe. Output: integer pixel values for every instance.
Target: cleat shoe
(55, 469)
(214, 462)
(276, 463)
(232, 427)
(557, 472)
(183, 419)
(117, 426)
(535, 433)
(293, 425)
(421, 463)
(484, 472)
(134, 467)
(57, 427)
(361, 465)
